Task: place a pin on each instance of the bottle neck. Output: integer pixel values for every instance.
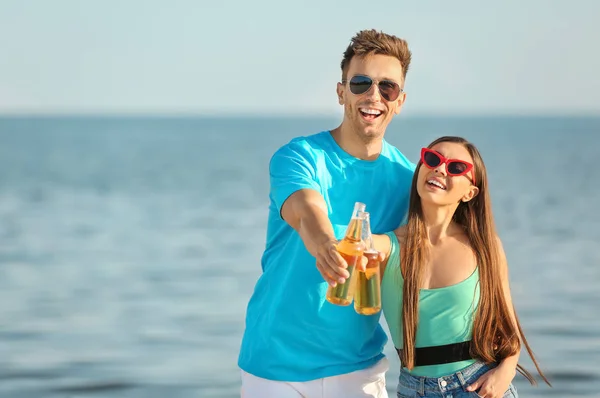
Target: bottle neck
(354, 230)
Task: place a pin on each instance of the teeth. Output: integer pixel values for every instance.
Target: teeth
(436, 183)
(371, 111)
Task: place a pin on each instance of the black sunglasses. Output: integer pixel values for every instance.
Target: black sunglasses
(360, 84)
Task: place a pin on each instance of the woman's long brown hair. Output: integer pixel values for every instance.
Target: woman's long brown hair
(495, 335)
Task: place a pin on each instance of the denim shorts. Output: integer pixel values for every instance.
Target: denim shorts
(454, 385)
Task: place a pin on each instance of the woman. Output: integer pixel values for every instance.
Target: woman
(445, 291)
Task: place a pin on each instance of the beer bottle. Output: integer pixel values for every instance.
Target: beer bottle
(367, 294)
(351, 248)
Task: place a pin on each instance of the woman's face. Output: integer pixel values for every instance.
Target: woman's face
(438, 182)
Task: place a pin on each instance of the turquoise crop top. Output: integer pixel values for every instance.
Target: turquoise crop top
(445, 314)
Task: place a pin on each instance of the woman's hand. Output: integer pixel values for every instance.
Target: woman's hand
(333, 267)
(494, 383)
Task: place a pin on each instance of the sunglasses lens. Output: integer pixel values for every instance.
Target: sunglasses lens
(389, 90)
(431, 159)
(360, 84)
(457, 168)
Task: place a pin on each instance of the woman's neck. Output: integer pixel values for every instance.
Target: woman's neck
(438, 221)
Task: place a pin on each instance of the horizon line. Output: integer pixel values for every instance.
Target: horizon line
(283, 115)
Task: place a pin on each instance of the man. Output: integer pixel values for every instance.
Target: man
(296, 344)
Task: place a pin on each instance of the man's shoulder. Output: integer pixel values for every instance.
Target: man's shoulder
(316, 140)
(398, 157)
(304, 146)
(399, 161)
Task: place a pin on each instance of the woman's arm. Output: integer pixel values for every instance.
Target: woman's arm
(383, 245)
(495, 382)
(510, 363)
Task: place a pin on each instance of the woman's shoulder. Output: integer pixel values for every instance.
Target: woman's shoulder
(400, 233)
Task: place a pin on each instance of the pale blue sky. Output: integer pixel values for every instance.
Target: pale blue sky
(281, 57)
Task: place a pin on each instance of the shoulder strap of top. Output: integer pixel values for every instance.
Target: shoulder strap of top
(393, 262)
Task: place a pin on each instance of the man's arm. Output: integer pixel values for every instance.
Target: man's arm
(296, 193)
(306, 211)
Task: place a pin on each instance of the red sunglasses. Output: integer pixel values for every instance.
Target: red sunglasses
(454, 167)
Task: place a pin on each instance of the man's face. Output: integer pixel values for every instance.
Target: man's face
(370, 113)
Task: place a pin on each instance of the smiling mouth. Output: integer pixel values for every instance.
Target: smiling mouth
(436, 183)
(370, 113)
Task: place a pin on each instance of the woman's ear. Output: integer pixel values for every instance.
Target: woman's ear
(471, 193)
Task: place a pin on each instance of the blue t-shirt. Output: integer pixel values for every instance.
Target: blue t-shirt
(292, 333)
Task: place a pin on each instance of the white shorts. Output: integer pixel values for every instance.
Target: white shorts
(364, 383)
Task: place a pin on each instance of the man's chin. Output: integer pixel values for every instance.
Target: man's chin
(369, 135)
(372, 130)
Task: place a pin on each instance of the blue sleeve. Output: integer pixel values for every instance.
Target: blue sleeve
(291, 169)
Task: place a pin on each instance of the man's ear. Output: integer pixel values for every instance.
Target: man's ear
(340, 93)
(400, 103)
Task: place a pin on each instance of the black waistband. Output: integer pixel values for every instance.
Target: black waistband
(442, 354)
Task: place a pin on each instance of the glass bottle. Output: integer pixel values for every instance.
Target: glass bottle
(351, 248)
(367, 293)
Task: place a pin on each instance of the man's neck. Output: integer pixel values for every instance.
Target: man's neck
(352, 143)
